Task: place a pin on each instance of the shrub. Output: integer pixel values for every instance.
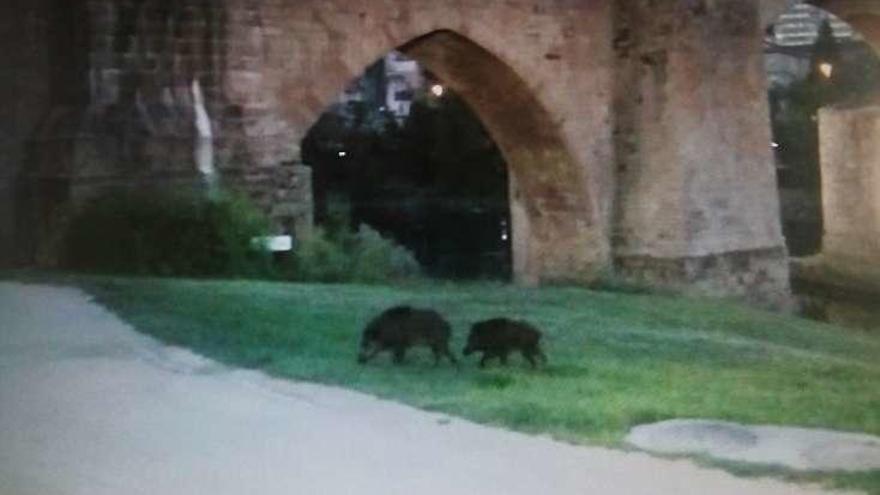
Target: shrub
(166, 234)
(340, 255)
(376, 259)
(319, 258)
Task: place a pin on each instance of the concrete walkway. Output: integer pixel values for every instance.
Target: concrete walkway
(804, 449)
(88, 406)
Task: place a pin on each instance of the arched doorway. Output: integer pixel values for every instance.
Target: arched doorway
(403, 154)
(814, 60)
(827, 125)
(554, 228)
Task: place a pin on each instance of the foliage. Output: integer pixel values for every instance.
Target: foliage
(430, 183)
(341, 255)
(166, 233)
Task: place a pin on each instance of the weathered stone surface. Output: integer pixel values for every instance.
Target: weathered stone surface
(696, 176)
(850, 150)
(633, 129)
(24, 95)
(755, 276)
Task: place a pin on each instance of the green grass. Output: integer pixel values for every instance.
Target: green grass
(616, 360)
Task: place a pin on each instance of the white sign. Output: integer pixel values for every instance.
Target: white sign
(275, 244)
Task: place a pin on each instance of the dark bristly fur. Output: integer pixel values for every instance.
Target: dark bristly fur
(401, 327)
(498, 337)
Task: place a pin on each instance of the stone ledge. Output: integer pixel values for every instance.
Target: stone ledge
(758, 276)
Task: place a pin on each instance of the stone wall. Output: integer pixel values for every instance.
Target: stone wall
(697, 186)
(137, 74)
(25, 99)
(636, 131)
(850, 149)
(538, 75)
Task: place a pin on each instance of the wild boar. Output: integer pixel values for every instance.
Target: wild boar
(401, 327)
(498, 337)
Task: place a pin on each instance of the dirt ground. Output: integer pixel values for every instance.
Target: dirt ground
(89, 406)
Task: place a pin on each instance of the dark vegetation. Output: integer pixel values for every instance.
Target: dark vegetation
(436, 183)
(153, 233)
(185, 234)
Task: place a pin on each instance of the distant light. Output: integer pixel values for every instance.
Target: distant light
(826, 69)
(343, 154)
(504, 236)
(438, 90)
(775, 145)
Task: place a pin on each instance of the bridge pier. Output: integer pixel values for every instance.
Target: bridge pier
(636, 131)
(698, 207)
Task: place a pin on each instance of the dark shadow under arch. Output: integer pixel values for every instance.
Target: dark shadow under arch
(555, 235)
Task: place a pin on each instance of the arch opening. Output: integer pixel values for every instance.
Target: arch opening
(824, 74)
(549, 219)
(403, 154)
(814, 60)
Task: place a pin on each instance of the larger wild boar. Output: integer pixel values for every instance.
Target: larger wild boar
(401, 327)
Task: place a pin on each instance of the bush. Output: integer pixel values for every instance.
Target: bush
(340, 255)
(167, 234)
(318, 258)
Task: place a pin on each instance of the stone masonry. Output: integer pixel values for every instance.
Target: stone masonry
(636, 131)
(850, 147)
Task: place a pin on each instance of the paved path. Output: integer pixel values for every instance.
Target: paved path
(804, 449)
(88, 406)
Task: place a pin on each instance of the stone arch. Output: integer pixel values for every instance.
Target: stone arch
(862, 15)
(555, 232)
(850, 206)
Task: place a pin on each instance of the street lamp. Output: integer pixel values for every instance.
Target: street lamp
(438, 90)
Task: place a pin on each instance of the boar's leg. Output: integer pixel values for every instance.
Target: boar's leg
(503, 357)
(532, 352)
(449, 354)
(368, 355)
(486, 356)
(440, 351)
(529, 354)
(541, 355)
(399, 354)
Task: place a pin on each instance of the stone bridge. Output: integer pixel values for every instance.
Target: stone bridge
(636, 131)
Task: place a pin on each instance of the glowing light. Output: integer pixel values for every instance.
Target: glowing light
(775, 145)
(826, 69)
(438, 90)
(343, 154)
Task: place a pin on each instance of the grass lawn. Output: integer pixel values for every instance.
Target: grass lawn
(615, 360)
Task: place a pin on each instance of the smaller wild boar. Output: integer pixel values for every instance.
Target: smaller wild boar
(500, 336)
(401, 327)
